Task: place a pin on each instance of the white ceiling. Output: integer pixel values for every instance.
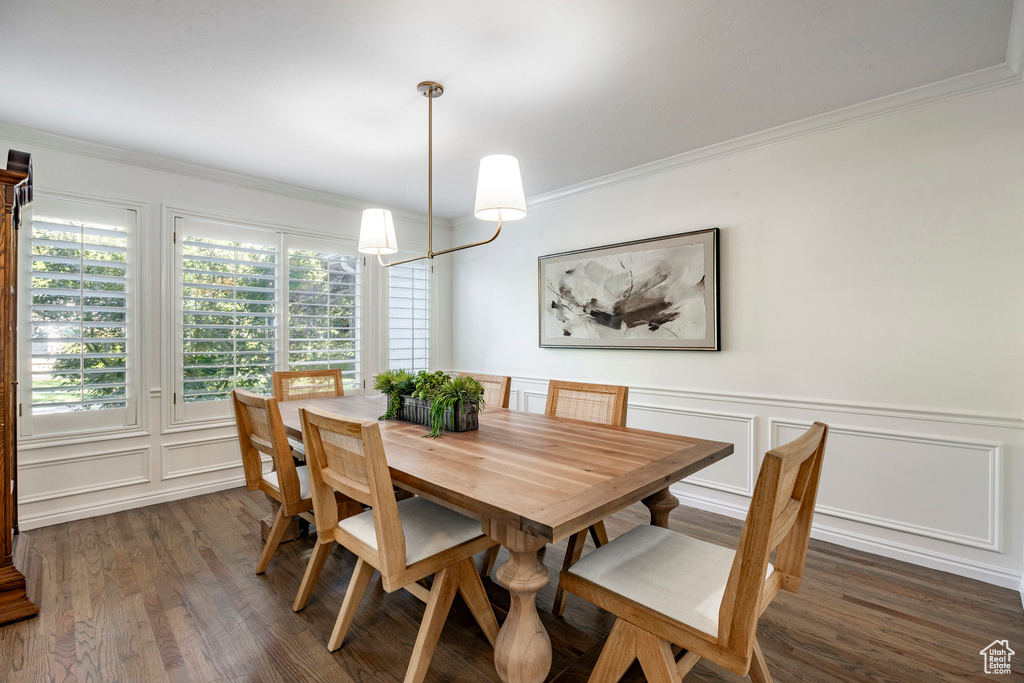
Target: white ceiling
(323, 94)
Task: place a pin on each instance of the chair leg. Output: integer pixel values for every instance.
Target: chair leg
(656, 659)
(686, 662)
(446, 583)
(472, 590)
(277, 530)
(572, 555)
(321, 551)
(758, 668)
(617, 655)
(599, 533)
(356, 589)
(489, 559)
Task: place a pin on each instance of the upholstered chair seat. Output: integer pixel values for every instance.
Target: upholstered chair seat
(678, 576)
(305, 492)
(429, 528)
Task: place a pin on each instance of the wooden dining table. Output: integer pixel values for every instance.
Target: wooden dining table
(532, 480)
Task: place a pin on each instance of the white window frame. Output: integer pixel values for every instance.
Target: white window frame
(79, 426)
(385, 322)
(202, 415)
(303, 242)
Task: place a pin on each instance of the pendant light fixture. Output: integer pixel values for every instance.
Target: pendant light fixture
(499, 197)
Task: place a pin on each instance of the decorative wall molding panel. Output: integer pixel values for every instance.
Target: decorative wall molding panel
(60, 440)
(923, 486)
(32, 519)
(735, 474)
(200, 456)
(911, 467)
(92, 472)
(866, 409)
(982, 571)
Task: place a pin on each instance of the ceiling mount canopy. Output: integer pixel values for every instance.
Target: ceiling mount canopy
(499, 197)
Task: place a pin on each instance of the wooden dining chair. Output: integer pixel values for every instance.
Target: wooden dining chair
(667, 588)
(300, 385)
(260, 431)
(497, 388)
(600, 403)
(405, 540)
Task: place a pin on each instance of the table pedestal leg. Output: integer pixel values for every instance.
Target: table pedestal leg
(297, 528)
(660, 504)
(522, 653)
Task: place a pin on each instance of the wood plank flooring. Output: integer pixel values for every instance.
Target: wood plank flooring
(168, 593)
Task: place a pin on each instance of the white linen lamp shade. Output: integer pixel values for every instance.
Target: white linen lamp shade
(499, 189)
(377, 232)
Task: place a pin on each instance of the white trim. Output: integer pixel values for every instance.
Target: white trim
(995, 467)
(74, 438)
(951, 88)
(166, 473)
(876, 409)
(200, 425)
(751, 421)
(1015, 45)
(106, 507)
(537, 394)
(144, 478)
(175, 417)
(1021, 588)
(960, 566)
(137, 416)
(40, 138)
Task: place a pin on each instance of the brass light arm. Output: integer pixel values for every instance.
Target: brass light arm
(499, 189)
(431, 254)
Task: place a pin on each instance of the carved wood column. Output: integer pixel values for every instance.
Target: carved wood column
(522, 653)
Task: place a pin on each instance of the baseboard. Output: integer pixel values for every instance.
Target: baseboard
(979, 571)
(30, 521)
(1022, 592)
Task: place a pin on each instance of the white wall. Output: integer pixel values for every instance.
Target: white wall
(78, 477)
(870, 278)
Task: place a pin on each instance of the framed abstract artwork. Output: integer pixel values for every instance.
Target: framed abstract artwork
(659, 293)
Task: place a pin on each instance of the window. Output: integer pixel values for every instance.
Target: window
(252, 301)
(409, 316)
(78, 360)
(229, 311)
(324, 312)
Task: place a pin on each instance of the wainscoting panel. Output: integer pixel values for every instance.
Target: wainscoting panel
(535, 401)
(93, 472)
(928, 486)
(200, 456)
(940, 489)
(735, 474)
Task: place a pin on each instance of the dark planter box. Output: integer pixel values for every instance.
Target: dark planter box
(467, 415)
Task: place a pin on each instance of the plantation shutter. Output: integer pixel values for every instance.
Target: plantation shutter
(79, 355)
(324, 304)
(409, 316)
(228, 279)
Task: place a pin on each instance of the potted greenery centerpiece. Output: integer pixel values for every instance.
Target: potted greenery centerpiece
(432, 398)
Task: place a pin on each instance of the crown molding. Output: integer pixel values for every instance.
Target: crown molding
(959, 86)
(62, 143)
(951, 88)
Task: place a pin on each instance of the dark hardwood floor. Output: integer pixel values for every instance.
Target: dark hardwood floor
(168, 593)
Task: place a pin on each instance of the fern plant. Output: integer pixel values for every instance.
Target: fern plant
(394, 383)
(449, 395)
